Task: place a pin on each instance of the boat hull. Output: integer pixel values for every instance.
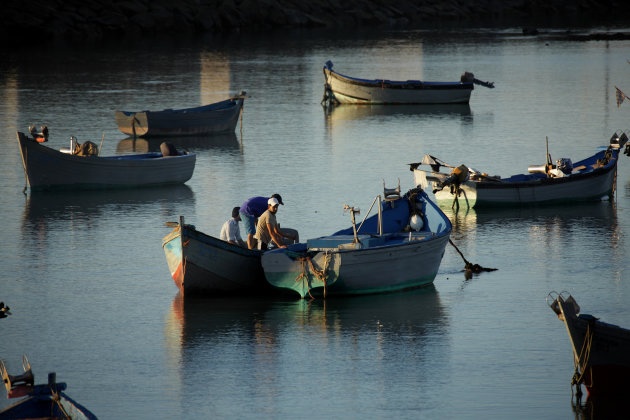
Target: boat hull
(45, 406)
(348, 90)
(47, 169)
(216, 118)
(382, 259)
(590, 185)
(357, 272)
(607, 366)
(204, 265)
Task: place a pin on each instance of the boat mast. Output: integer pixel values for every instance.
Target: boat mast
(353, 210)
(380, 216)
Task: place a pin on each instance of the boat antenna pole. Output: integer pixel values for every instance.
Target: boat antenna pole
(548, 157)
(353, 210)
(100, 148)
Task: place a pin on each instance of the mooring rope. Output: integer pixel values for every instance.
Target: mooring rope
(585, 354)
(320, 274)
(57, 399)
(470, 267)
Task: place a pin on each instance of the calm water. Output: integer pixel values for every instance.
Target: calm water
(91, 295)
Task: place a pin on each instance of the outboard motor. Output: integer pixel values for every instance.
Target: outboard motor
(41, 136)
(565, 165)
(168, 149)
(457, 177)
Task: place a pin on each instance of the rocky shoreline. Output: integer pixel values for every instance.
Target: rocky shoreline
(95, 20)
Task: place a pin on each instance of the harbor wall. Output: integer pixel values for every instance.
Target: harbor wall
(85, 20)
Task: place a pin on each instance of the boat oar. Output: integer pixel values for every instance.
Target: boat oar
(100, 148)
(470, 268)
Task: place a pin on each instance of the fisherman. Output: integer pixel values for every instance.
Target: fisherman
(230, 231)
(268, 230)
(251, 210)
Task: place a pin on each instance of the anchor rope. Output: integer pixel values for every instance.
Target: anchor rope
(57, 399)
(320, 274)
(585, 354)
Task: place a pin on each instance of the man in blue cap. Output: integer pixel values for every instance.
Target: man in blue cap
(251, 210)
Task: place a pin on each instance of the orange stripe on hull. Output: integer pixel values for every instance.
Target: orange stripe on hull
(178, 277)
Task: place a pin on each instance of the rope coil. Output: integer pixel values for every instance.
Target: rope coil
(582, 360)
(320, 274)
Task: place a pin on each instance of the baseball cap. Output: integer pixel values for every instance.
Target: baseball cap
(277, 196)
(272, 202)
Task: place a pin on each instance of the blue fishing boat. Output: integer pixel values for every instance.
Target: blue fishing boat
(399, 248)
(219, 117)
(47, 401)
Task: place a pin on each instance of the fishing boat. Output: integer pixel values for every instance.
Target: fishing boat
(342, 89)
(601, 351)
(593, 178)
(46, 401)
(219, 117)
(80, 167)
(401, 247)
(201, 264)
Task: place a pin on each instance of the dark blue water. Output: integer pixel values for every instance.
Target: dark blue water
(92, 299)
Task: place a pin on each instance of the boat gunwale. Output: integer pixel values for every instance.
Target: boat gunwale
(403, 85)
(28, 142)
(225, 105)
(541, 182)
(189, 231)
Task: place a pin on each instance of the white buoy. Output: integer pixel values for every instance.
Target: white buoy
(416, 223)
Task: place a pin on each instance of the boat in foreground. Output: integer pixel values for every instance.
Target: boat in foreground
(601, 351)
(399, 248)
(46, 168)
(341, 89)
(592, 178)
(201, 264)
(46, 401)
(219, 117)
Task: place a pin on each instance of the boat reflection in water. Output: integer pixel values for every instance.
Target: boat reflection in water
(131, 145)
(47, 212)
(340, 114)
(600, 407)
(252, 349)
(596, 218)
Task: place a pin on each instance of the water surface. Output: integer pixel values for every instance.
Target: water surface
(92, 299)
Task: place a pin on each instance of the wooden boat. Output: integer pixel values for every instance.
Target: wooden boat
(399, 248)
(601, 351)
(592, 178)
(201, 264)
(341, 89)
(46, 401)
(46, 168)
(219, 117)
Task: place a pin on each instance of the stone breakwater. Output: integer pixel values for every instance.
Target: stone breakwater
(84, 20)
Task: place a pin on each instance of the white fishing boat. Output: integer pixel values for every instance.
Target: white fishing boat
(399, 248)
(601, 351)
(342, 89)
(82, 167)
(592, 178)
